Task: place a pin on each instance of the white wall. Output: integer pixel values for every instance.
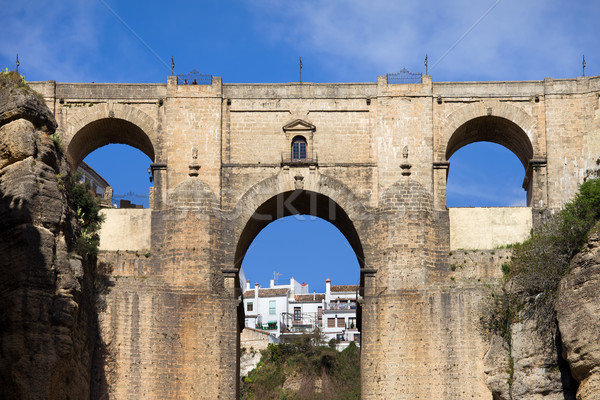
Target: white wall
(488, 227)
(125, 229)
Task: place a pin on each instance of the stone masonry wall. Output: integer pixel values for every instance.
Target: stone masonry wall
(170, 328)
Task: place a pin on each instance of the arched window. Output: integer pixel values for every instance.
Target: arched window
(299, 149)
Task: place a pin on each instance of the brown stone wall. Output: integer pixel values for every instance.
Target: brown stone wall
(170, 327)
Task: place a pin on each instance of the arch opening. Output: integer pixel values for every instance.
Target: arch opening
(125, 170)
(299, 301)
(108, 131)
(492, 129)
(485, 174)
(481, 159)
(298, 202)
(117, 155)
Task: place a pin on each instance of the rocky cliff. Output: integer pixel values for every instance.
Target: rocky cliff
(578, 315)
(46, 310)
(522, 365)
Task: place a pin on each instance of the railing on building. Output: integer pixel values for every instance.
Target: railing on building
(269, 326)
(299, 322)
(340, 306)
(404, 77)
(288, 159)
(194, 78)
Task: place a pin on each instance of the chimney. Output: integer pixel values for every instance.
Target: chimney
(256, 309)
(293, 286)
(247, 286)
(328, 291)
(272, 283)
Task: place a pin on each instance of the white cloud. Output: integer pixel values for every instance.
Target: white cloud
(516, 40)
(54, 39)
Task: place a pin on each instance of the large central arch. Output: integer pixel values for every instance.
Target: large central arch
(297, 202)
(288, 203)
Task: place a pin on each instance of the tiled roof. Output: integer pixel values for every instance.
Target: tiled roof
(309, 298)
(344, 288)
(272, 292)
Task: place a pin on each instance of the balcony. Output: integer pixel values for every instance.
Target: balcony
(288, 160)
(269, 326)
(345, 306)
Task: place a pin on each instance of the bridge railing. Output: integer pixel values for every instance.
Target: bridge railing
(404, 76)
(194, 78)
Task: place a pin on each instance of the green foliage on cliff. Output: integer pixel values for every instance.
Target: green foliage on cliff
(12, 80)
(87, 207)
(304, 370)
(538, 265)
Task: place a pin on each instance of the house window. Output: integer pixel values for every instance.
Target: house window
(341, 323)
(331, 322)
(250, 306)
(297, 313)
(299, 149)
(272, 307)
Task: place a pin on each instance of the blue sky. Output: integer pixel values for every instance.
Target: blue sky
(339, 41)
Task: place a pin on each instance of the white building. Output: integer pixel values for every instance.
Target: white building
(290, 310)
(98, 184)
(264, 307)
(339, 314)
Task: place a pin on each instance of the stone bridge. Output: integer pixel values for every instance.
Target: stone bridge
(371, 158)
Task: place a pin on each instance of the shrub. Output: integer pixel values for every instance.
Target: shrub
(87, 208)
(539, 263)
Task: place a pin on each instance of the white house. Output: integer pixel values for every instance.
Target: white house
(339, 313)
(265, 306)
(290, 310)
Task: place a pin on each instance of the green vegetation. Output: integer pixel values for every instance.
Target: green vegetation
(13, 80)
(87, 207)
(536, 268)
(305, 369)
(538, 265)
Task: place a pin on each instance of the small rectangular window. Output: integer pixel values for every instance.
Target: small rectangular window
(331, 322)
(272, 307)
(250, 306)
(297, 313)
(341, 323)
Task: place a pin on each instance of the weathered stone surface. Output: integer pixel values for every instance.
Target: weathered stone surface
(497, 368)
(528, 369)
(16, 141)
(170, 325)
(536, 371)
(578, 314)
(46, 312)
(18, 101)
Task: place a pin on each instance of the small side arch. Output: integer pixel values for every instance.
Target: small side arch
(495, 122)
(492, 129)
(109, 123)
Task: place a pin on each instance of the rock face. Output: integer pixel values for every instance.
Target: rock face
(578, 314)
(535, 367)
(46, 310)
(572, 369)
